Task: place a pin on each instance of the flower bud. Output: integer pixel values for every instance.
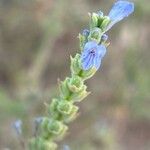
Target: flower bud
(94, 20)
(56, 127)
(44, 122)
(86, 74)
(79, 96)
(81, 41)
(105, 22)
(75, 84)
(104, 38)
(49, 145)
(63, 88)
(95, 35)
(44, 125)
(83, 38)
(77, 88)
(72, 115)
(85, 33)
(65, 107)
(41, 144)
(76, 65)
(52, 110)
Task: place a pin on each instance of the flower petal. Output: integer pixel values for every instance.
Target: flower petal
(119, 11)
(97, 62)
(101, 51)
(88, 62)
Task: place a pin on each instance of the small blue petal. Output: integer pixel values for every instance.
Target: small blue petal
(119, 11)
(85, 32)
(97, 62)
(18, 127)
(104, 37)
(88, 62)
(92, 55)
(101, 54)
(102, 51)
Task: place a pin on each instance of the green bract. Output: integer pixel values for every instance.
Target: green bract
(65, 107)
(105, 22)
(82, 41)
(75, 84)
(76, 68)
(55, 127)
(95, 35)
(94, 20)
(41, 144)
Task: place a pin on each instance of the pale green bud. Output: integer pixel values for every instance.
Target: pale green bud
(76, 65)
(86, 74)
(63, 132)
(81, 41)
(45, 122)
(50, 145)
(41, 144)
(44, 125)
(83, 38)
(52, 110)
(95, 35)
(77, 88)
(56, 127)
(105, 22)
(94, 20)
(75, 84)
(63, 88)
(79, 96)
(65, 107)
(73, 114)
(68, 110)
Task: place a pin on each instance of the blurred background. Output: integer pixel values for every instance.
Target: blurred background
(36, 39)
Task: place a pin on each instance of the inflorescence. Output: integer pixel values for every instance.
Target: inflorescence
(93, 47)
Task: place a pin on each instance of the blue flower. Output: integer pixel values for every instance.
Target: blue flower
(17, 125)
(92, 55)
(119, 11)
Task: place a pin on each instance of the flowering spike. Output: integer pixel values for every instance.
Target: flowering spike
(93, 44)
